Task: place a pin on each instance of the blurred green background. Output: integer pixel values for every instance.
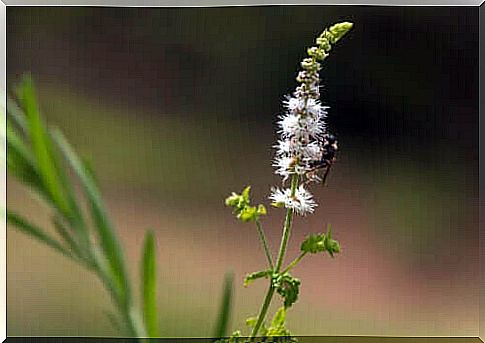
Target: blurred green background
(176, 108)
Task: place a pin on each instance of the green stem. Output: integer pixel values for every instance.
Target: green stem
(264, 242)
(294, 262)
(281, 255)
(287, 228)
(127, 312)
(264, 310)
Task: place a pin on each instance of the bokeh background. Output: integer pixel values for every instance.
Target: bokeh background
(176, 107)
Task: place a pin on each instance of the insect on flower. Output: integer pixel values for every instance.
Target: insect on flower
(329, 148)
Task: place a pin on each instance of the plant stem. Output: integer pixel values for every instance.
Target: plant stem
(264, 242)
(281, 255)
(264, 309)
(134, 328)
(287, 228)
(294, 262)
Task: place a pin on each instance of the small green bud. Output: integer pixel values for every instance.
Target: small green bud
(307, 63)
(261, 210)
(316, 52)
(340, 29)
(245, 193)
(324, 43)
(247, 214)
(278, 204)
(241, 206)
(251, 321)
(232, 200)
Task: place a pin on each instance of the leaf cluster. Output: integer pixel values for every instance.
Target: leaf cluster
(242, 208)
(40, 158)
(321, 242)
(287, 287)
(277, 327)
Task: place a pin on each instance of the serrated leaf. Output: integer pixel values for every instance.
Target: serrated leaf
(313, 244)
(288, 287)
(278, 324)
(251, 322)
(321, 242)
(279, 317)
(331, 245)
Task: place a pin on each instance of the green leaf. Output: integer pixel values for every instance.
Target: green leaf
(331, 245)
(149, 278)
(245, 193)
(278, 324)
(42, 147)
(256, 275)
(261, 210)
(16, 114)
(321, 242)
(251, 322)
(241, 206)
(36, 232)
(114, 320)
(67, 237)
(111, 247)
(24, 163)
(288, 287)
(314, 243)
(225, 307)
(20, 162)
(279, 317)
(248, 214)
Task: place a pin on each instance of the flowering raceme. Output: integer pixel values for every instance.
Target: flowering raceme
(305, 146)
(305, 152)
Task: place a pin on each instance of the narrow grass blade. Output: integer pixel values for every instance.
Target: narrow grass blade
(149, 279)
(41, 146)
(225, 308)
(23, 162)
(67, 236)
(36, 232)
(109, 242)
(16, 115)
(114, 321)
(20, 161)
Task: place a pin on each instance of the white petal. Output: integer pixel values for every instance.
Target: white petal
(302, 202)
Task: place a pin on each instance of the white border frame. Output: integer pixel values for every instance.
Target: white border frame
(225, 3)
(169, 3)
(3, 171)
